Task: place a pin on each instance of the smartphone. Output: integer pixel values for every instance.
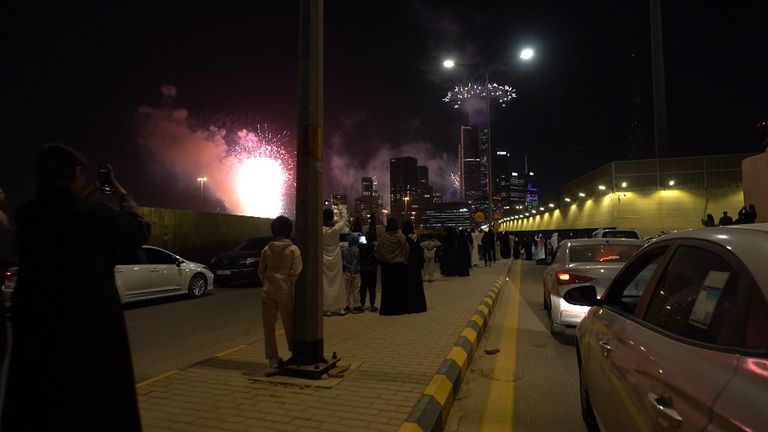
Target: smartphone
(104, 177)
(363, 240)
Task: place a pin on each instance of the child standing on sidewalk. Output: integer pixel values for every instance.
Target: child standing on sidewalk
(350, 264)
(279, 268)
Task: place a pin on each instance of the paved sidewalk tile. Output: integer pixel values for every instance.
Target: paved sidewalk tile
(399, 356)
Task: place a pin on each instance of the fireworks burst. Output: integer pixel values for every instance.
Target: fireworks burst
(455, 181)
(501, 94)
(263, 173)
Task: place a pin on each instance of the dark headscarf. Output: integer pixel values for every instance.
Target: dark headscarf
(391, 225)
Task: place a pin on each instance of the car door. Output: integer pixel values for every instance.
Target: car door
(164, 273)
(682, 347)
(132, 275)
(557, 263)
(607, 353)
(741, 406)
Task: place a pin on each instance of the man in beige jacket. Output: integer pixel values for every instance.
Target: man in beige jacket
(279, 267)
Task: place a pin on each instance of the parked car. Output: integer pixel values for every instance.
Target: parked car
(679, 341)
(241, 264)
(580, 261)
(626, 233)
(151, 273)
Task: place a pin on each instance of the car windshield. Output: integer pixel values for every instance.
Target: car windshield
(255, 244)
(599, 253)
(621, 234)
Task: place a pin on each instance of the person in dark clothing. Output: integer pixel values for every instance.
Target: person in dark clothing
(493, 246)
(357, 225)
(529, 245)
(709, 221)
(488, 247)
(368, 271)
(463, 253)
(725, 220)
(392, 251)
(751, 216)
(504, 247)
(70, 367)
(516, 248)
(448, 255)
(416, 301)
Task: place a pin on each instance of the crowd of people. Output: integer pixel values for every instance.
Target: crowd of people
(747, 215)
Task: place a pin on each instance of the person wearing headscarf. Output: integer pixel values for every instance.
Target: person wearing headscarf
(463, 254)
(392, 251)
(334, 293)
(430, 248)
(505, 249)
(448, 258)
(416, 301)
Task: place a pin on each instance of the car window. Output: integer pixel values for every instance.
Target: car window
(628, 288)
(694, 295)
(131, 257)
(621, 234)
(156, 256)
(756, 337)
(596, 253)
(255, 244)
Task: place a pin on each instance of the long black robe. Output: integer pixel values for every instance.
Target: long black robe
(70, 367)
(463, 256)
(416, 301)
(449, 255)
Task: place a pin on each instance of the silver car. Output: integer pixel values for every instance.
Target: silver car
(576, 262)
(679, 341)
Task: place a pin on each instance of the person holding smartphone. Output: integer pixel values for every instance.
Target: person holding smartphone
(70, 349)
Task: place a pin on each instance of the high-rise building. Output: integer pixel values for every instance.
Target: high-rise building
(471, 182)
(369, 202)
(403, 183)
(425, 189)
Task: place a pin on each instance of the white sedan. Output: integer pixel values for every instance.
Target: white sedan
(158, 273)
(151, 273)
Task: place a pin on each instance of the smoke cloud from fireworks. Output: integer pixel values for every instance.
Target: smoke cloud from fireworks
(250, 170)
(344, 171)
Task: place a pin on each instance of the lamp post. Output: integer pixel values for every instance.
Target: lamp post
(526, 55)
(202, 181)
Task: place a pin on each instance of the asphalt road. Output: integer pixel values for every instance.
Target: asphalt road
(532, 384)
(171, 334)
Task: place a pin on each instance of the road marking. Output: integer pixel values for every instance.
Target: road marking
(157, 378)
(500, 408)
(230, 350)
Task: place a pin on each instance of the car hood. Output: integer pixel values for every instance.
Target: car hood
(235, 256)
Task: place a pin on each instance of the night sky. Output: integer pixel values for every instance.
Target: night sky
(77, 74)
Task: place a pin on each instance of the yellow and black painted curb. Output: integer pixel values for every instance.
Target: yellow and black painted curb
(431, 411)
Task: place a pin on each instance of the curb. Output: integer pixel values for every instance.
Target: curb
(431, 411)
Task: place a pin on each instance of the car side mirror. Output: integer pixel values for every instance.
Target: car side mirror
(582, 295)
(179, 262)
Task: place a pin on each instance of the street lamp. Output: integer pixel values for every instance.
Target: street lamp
(526, 54)
(202, 181)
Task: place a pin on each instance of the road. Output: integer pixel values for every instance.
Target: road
(532, 384)
(170, 334)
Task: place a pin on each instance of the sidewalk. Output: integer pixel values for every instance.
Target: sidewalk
(394, 358)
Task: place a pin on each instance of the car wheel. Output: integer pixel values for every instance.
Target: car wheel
(554, 329)
(198, 285)
(587, 413)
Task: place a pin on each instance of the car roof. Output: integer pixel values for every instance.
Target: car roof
(748, 242)
(598, 241)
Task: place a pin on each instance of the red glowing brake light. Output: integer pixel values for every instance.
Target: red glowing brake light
(564, 278)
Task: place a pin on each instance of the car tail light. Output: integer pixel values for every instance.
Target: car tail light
(564, 278)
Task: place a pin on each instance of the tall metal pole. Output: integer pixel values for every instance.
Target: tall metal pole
(490, 148)
(659, 89)
(308, 344)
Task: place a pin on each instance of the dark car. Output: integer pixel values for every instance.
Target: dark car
(241, 264)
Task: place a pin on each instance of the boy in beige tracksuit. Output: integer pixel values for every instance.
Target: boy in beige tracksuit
(279, 267)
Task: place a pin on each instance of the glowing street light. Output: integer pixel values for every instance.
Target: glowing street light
(448, 63)
(671, 183)
(551, 205)
(526, 54)
(582, 194)
(601, 187)
(202, 181)
(623, 184)
(567, 199)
